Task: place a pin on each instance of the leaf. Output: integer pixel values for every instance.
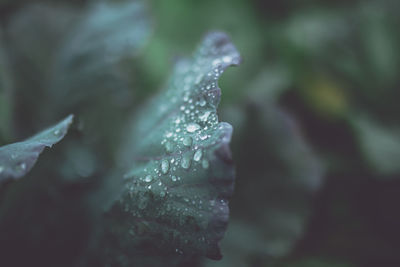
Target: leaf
(380, 145)
(175, 197)
(70, 58)
(17, 159)
(91, 69)
(105, 34)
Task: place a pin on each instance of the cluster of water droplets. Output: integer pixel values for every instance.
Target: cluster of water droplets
(164, 184)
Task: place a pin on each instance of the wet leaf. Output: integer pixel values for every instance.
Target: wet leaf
(17, 159)
(176, 193)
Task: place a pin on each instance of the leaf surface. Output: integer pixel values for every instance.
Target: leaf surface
(17, 159)
(176, 192)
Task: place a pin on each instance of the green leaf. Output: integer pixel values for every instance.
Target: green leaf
(380, 144)
(176, 193)
(72, 59)
(17, 159)
(88, 61)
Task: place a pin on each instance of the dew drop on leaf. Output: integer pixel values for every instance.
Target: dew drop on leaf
(197, 155)
(192, 127)
(164, 166)
(187, 141)
(185, 163)
(169, 147)
(204, 116)
(148, 178)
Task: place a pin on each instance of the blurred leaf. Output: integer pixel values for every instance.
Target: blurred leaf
(379, 144)
(74, 59)
(176, 194)
(32, 38)
(313, 31)
(92, 74)
(379, 40)
(105, 34)
(18, 159)
(326, 96)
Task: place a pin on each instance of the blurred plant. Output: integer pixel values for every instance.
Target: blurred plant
(173, 204)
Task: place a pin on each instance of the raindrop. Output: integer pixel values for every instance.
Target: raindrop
(227, 59)
(187, 141)
(1, 169)
(197, 156)
(202, 102)
(192, 127)
(169, 147)
(204, 116)
(22, 166)
(173, 178)
(164, 166)
(186, 97)
(203, 137)
(148, 178)
(185, 163)
(56, 132)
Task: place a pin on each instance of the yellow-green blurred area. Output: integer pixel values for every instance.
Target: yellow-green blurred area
(314, 106)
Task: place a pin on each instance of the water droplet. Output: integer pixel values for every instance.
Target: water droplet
(185, 163)
(192, 127)
(164, 166)
(22, 166)
(227, 59)
(148, 178)
(186, 97)
(205, 115)
(56, 132)
(197, 155)
(205, 164)
(202, 102)
(1, 169)
(203, 137)
(173, 178)
(187, 141)
(162, 194)
(169, 147)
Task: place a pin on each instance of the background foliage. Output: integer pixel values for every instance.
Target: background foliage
(314, 107)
